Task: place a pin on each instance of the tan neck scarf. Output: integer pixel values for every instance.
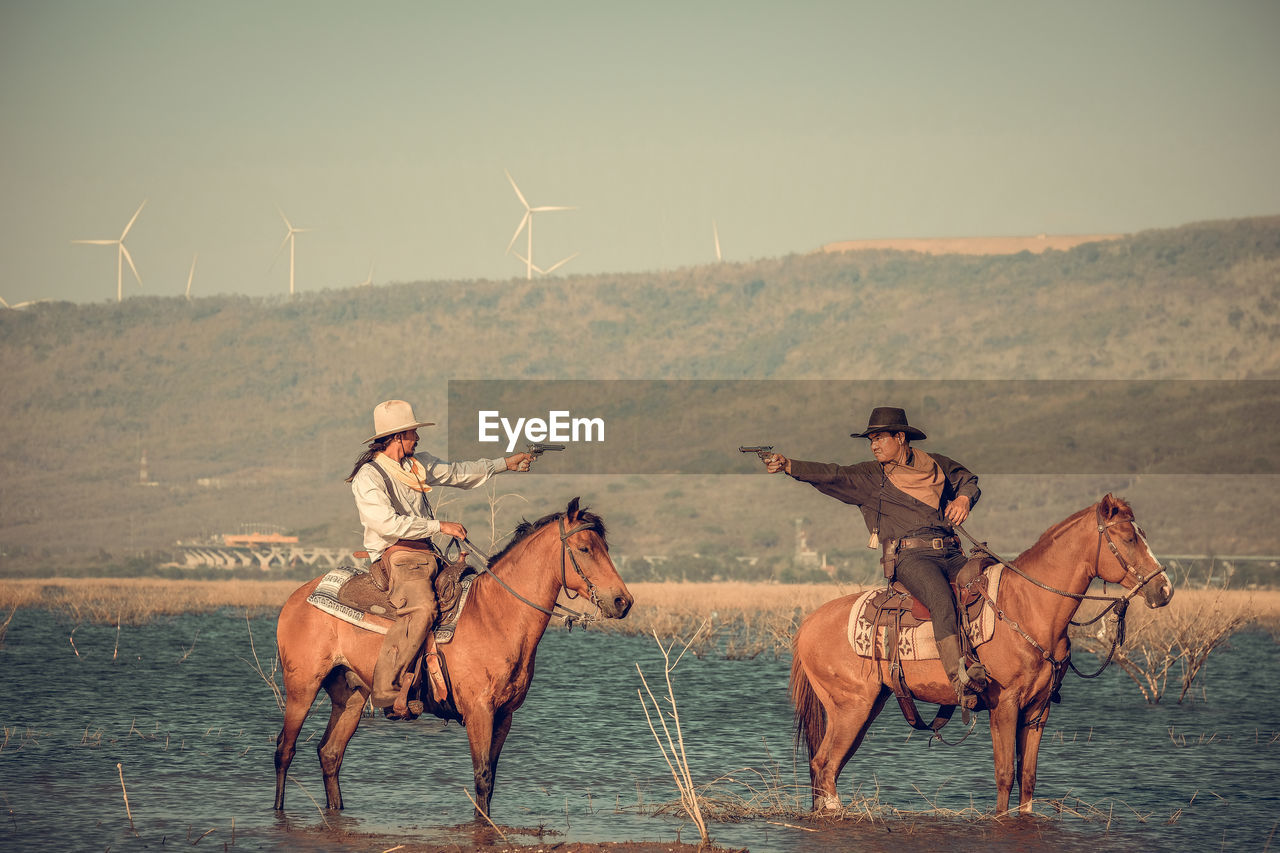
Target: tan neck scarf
(921, 477)
(415, 478)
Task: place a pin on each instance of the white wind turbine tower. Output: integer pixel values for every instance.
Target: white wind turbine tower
(716, 233)
(122, 253)
(368, 282)
(527, 220)
(288, 238)
(191, 275)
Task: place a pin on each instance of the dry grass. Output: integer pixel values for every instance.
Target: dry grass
(670, 608)
(132, 601)
(706, 599)
(1261, 606)
(735, 620)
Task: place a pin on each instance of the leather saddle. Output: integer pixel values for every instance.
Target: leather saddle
(890, 625)
(352, 595)
(895, 603)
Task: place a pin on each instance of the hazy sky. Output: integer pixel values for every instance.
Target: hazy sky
(386, 128)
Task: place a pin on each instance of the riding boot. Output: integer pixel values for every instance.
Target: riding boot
(949, 654)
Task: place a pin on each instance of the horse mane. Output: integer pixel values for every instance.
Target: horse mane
(1047, 538)
(527, 528)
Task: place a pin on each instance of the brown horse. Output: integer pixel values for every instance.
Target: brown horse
(837, 694)
(490, 659)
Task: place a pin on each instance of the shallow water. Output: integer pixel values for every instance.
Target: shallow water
(177, 709)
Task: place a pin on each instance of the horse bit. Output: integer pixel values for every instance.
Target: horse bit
(570, 616)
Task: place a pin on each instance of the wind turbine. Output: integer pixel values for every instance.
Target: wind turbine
(288, 238)
(368, 282)
(716, 232)
(122, 254)
(527, 220)
(549, 270)
(191, 275)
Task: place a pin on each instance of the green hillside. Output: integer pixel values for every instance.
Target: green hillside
(252, 410)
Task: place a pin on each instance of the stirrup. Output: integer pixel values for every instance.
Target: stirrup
(965, 699)
(975, 677)
(412, 711)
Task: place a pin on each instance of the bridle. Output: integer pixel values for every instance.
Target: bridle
(1115, 610)
(1104, 533)
(570, 616)
(566, 550)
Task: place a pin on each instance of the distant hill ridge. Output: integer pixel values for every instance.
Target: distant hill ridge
(973, 245)
(253, 409)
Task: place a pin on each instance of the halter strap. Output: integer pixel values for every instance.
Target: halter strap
(569, 615)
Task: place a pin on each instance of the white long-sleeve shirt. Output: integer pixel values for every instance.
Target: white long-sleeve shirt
(383, 525)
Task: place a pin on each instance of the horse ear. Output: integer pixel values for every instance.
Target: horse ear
(572, 512)
(1109, 505)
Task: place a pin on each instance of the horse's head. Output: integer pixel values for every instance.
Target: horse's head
(1129, 561)
(583, 547)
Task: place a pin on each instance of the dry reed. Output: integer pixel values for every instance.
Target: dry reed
(673, 751)
(1178, 639)
(127, 810)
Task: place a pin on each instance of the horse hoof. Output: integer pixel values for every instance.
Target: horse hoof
(829, 804)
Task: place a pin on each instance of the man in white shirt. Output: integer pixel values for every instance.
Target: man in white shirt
(390, 485)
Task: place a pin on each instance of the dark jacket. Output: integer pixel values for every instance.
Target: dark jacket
(886, 508)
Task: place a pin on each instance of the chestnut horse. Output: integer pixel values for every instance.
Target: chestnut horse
(838, 694)
(490, 659)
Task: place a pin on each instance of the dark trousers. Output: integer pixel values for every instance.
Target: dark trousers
(927, 574)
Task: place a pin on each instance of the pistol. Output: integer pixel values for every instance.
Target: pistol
(760, 450)
(536, 450)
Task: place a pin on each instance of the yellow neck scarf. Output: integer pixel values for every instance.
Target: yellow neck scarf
(415, 478)
(921, 477)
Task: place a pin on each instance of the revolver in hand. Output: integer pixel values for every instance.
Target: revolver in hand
(536, 450)
(763, 451)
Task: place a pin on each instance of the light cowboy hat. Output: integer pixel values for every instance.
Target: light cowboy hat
(890, 420)
(391, 417)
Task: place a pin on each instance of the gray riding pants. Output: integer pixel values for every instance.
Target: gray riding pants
(927, 574)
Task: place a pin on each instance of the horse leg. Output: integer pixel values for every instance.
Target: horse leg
(344, 717)
(501, 727)
(846, 727)
(298, 697)
(480, 734)
(1004, 730)
(1028, 754)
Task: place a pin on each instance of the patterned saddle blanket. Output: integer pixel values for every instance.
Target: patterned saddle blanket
(351, 595)
(888, 621)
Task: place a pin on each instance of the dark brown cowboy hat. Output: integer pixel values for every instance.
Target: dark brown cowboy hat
(891, 420)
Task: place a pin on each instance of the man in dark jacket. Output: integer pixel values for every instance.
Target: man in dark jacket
(909, 500)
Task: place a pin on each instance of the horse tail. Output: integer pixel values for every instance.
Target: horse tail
(810, 718)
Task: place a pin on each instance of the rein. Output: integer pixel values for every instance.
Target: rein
(570, 616)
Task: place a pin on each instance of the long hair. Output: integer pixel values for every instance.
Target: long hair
(375, 447)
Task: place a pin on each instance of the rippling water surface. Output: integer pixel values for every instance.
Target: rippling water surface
(178, 709)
